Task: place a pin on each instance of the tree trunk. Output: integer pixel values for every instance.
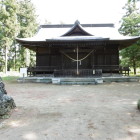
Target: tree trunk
(6, 51)
(135, 71)
(15, 57)
(134, 67)
(15, 61)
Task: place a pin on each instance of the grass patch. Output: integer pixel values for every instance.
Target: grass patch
(132, 74)
(10, 78)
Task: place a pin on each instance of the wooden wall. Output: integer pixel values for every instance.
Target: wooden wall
(102, 55)
(108, 55)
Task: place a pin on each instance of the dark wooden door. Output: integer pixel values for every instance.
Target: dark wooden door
(71, 63)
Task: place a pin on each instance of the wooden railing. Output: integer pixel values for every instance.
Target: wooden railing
(113, 69)
(97, 70)
(108, 68)
(32, 71)
(81, 73)
(124, 70)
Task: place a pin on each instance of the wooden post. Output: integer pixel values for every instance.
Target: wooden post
(77, 61)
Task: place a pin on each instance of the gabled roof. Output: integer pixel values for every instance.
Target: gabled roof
(54, 31)
(77, 32)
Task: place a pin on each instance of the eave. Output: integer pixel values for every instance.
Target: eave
(62, 41)
(82, 34)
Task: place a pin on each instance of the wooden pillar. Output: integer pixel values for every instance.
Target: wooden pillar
(77, 60)
(62, 63)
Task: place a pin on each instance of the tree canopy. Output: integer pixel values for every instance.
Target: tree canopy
(28, 27)
(130, 26)
(8, 25)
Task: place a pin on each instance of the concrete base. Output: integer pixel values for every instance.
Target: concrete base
(121, 79)
(78, 81)
(56, 80)
(35, 79)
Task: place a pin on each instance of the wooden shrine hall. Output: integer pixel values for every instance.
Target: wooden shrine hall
(76, 50)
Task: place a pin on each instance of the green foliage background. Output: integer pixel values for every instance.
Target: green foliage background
(17, 19)
(130, 26)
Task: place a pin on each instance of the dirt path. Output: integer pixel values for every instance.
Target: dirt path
(86, 112)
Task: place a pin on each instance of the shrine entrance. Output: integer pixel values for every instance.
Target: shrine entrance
(77, 59)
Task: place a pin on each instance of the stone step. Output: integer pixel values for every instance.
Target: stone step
(77, 81)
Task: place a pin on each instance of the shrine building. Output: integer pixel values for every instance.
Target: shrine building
(76, 50)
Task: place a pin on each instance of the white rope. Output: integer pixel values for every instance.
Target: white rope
(76, 59)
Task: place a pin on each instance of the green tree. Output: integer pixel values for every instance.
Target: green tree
(131, 26)
(28, 26)
(133, 0)
(17, 18)
(8, 26)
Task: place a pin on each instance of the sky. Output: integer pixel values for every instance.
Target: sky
(86, 11)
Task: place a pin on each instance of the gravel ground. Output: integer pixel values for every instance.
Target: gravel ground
(73, 112)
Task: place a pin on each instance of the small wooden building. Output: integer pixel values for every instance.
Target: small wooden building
(76, 49)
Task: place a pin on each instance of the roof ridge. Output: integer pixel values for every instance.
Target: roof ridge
(71, 25)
